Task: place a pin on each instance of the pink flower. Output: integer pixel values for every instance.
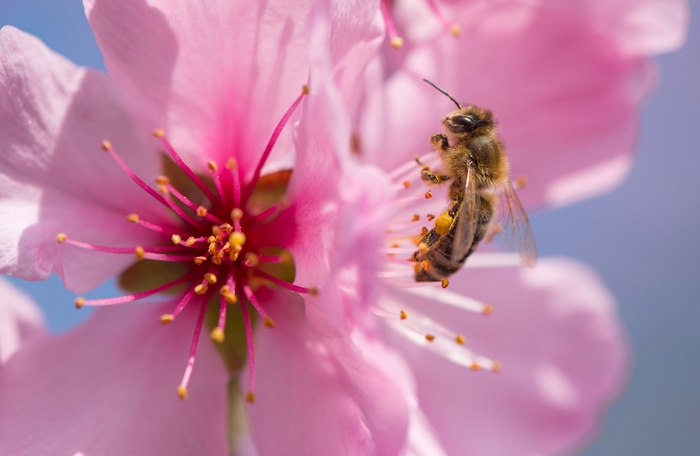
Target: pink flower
(219, 80)
(20, 321)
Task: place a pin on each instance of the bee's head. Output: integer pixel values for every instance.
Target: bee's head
(471, 121)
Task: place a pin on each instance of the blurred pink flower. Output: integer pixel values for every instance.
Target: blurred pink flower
(20, 320)
(326, 379)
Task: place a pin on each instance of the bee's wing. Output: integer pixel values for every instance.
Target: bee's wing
(516, 230)
(466, 219)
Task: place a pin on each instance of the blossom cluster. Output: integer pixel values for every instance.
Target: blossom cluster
(247, 171)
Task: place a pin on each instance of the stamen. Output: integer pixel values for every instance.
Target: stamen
(134, 218)
(167, 318)
(232, 166)
(450, 27)
(182, 389)
(289, 286)
(165, 190)
(253, 300)
(107, 147)
(217, 334)
(251, 354)
(192, 206)
(266, 153)
(160, 134)
(214, 168)
(130, 297)
(394, 38)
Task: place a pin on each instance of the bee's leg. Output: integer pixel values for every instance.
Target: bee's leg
(439, 141)
(428, 175)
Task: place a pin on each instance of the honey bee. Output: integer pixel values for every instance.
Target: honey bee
(475, 161)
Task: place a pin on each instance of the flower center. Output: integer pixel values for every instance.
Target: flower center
(214, 246)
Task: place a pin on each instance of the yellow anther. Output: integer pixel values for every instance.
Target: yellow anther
(201, 289)
(231, 298)
(521, 181)
(314, 291)
(216, 230)
(406, 184)
(454, 28)
(182, 392)
(199, 260)
(426, 265)
(250, 397)
(252, 258)
(139, 252)
(488, 309)
(216, 258)
(226, 228)
(443, 223)
(176, 239)
(190, 241)
(211, 240)
(496, 366)
(428, 194)
(227, 247)
(167, 318)
(231, 163)
(431, 217)
(106, 146)
(236, 214)
(475, 367)
(444, 283)
(416, 217)
(133, 218)
(305, 89)
(163, 189)
(79, 302)
(269, 323)
(403, 315)
(211, 278)
(211, 164)
(423, 231)
(158, 133)
(60, 237)
(429, 337)
(224, 289)
(217, 335)
(460, 339)
(237, 239)
(396, 42)
(162, 180)
(202, 211)
(417, 267)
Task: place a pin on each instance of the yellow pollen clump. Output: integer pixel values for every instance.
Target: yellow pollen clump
(269, 323)
(231, 163)
(158, 133)
(211, 239)
(252, 259)
(415, 218)
(403, 315)
(166, 318)
(162, 180)
(209, 277)
(231, 298)
(133, 218)
(201, 289)
(190, 241)
(429, 337)
(460, 339)
(79, 302)
(426, 265)
(202, 211)
(182, 392)
(417, 267)
(488, 309)
(211, 164)
(475, 367)
(443, 223)
(431, 217)
(314, 291)
(106, 146)
(163, 189)
(454, 28)
(423, 231)
(215, 230)
(406, 184)
(445, 283)
(422, 247)
(199, 260)
(428, 194)
(60, 237)
(139, 252)
(217, 335)
(396, 42)
(305, 89)
(176, 239)
(497, 366)
(226, 228)
(521, 181)
(237, 239)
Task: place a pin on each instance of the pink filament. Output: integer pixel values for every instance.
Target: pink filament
(249, 343)
(193, 347)
(271, 143)
(198, 182)
(183, 302)
(434, 8)
(135, 296)
(254, 301)
(222, 314)
(282, 283)
(388, 20)
(133, 176)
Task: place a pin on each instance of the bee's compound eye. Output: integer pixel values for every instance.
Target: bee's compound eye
(464, 123)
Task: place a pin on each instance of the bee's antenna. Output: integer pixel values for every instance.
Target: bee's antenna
(444, 93)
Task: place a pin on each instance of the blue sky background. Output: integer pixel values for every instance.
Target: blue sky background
(643, 238)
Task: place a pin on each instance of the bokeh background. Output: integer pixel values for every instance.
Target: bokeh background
(643, 238)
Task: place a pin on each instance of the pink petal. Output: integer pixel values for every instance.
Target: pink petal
(55, 177)
(109, 387)
(318, 395)
(565, 95)
(217, 76)
(20, 320)
(556, 331)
